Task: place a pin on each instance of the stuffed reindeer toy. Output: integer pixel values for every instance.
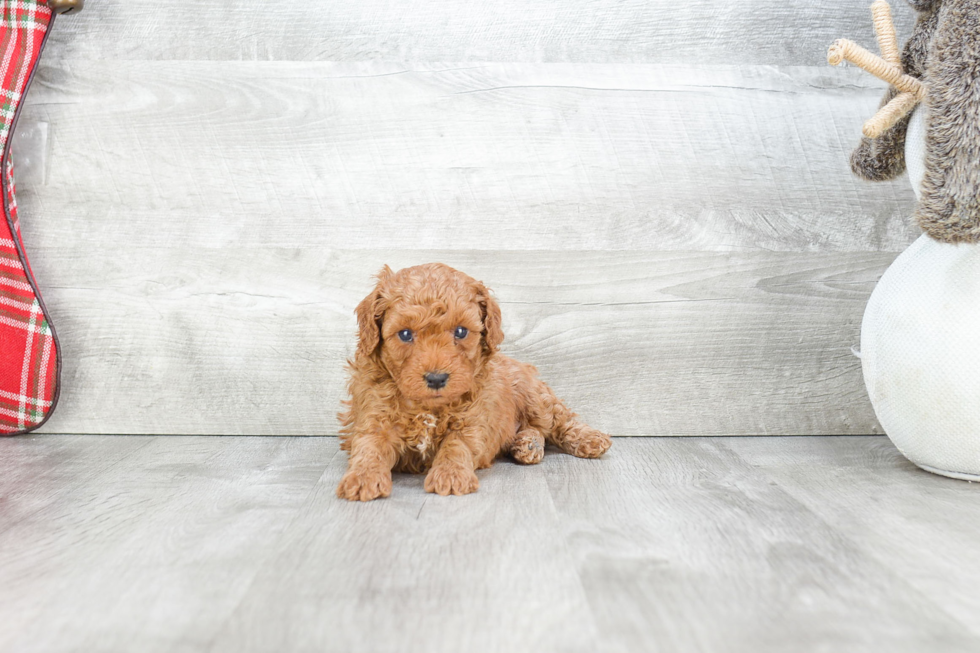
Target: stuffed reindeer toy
(919, 346)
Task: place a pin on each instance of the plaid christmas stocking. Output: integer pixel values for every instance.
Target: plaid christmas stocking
(30, 360)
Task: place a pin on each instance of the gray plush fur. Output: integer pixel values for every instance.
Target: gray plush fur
(923, 5)
(883, 158)
(944, 51)
(950, 207)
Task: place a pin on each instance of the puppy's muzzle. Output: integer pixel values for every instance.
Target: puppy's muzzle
(436, 380)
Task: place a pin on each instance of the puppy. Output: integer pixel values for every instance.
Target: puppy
(429, 391)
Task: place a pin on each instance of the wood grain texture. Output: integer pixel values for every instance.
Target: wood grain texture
(933, 550)
(253, 341)
(38, 472)
(157, 549)
(682, 546)
(659, 191)
(727, 545)
(458, 156)
(794, 32)
(419, 573)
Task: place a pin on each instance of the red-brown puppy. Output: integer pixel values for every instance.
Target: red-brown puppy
(430, 392)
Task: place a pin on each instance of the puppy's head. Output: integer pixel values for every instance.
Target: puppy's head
(431, 327)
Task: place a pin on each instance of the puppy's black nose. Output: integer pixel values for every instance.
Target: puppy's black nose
(436, 380)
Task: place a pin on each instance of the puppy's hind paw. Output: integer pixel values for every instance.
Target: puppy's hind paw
(586, 442)
(528, 447)
(364, 485)
(451, 479)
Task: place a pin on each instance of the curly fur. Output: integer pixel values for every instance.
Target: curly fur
(490, 405)
(944, 51)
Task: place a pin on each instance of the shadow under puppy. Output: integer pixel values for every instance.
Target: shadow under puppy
(429, 391)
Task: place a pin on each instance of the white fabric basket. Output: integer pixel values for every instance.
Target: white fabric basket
(920, 346)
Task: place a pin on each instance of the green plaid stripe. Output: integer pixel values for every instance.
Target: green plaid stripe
(14, 316)
(16, 277)
(35, 359)
(29, 382)
(20, 14)
(10, 260)
(14, 299)
(21, 410)
(15, 15)
(33, 401)
(25, 417)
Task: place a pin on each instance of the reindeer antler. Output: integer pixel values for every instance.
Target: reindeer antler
(887, 67)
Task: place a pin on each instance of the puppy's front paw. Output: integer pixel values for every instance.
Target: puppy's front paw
(451, 479)
(364, 484)
(587, 442)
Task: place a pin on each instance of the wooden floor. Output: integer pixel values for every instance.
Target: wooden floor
(667, 544)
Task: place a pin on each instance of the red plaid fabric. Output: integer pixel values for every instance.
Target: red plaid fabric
(29, 360)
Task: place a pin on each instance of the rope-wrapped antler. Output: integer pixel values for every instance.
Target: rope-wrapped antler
(887, 67)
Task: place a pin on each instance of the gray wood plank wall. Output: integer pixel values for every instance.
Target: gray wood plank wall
(657, 191)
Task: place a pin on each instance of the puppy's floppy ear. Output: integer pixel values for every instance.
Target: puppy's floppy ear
(370, 313)
(493, 332)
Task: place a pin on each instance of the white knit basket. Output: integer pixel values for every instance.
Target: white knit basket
(920, 346)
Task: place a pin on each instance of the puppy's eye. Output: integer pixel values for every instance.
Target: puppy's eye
(461, 332)
(405, 335)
